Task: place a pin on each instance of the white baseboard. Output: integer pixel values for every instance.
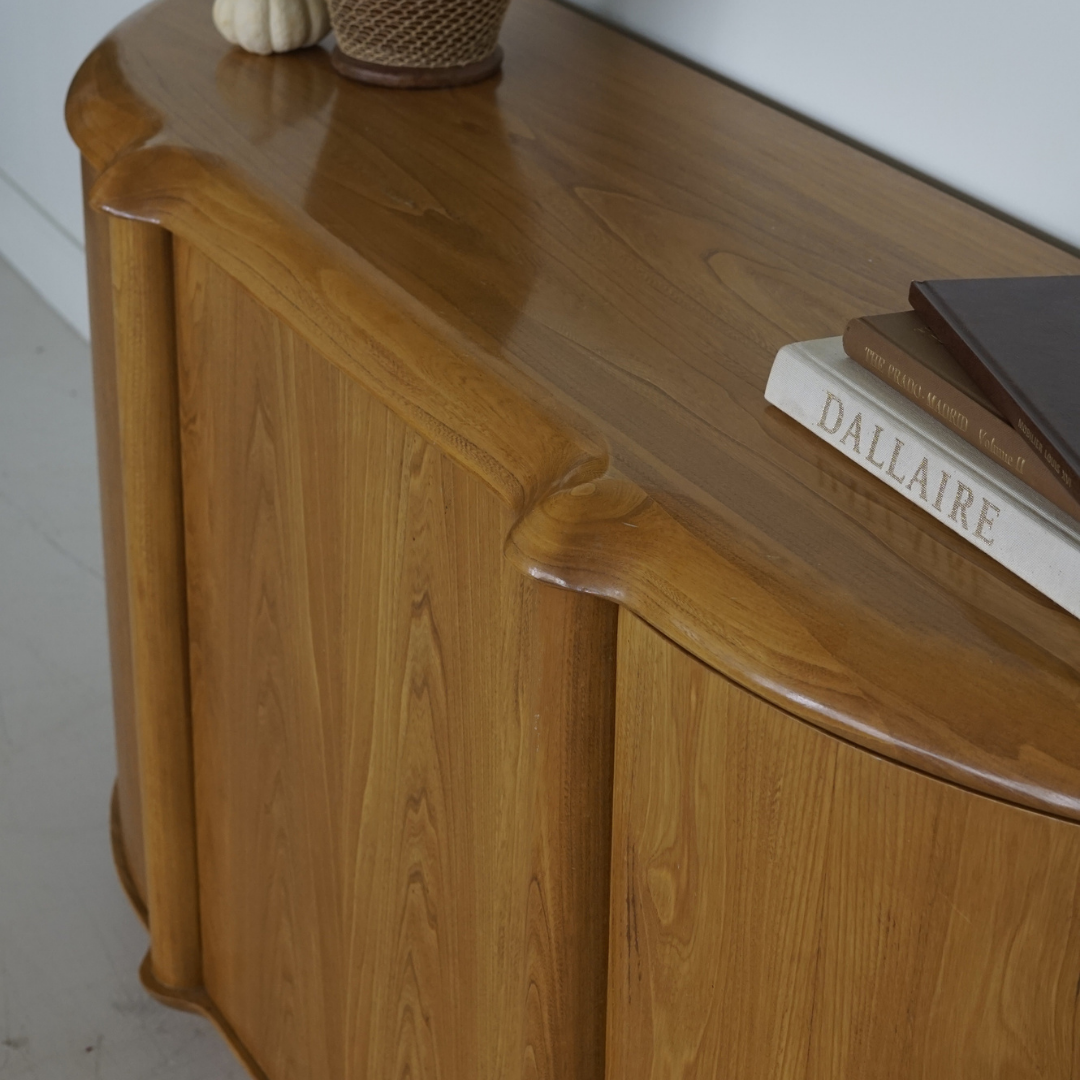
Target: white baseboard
(50, 259)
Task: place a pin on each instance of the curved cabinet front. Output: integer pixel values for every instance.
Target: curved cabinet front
(786, 905)
(503, 689)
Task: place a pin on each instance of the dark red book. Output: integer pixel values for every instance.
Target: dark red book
(1019, 340)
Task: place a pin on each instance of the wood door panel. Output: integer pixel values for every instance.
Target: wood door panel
(787, 905)
(402, 744)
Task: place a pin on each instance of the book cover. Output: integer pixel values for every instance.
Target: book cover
(1019, 339)
(876, 427)
(900, 349)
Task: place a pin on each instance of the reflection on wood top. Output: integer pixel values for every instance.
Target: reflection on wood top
(573, 278)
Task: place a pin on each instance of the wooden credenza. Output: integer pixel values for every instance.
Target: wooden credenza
(504, 690)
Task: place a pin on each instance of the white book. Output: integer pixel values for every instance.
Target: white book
(878, 428)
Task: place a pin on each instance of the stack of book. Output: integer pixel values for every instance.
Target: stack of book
(969, 406)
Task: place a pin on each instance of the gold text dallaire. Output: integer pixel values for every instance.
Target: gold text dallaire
(921, 482)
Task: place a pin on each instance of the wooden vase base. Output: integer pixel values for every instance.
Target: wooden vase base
(413, 78)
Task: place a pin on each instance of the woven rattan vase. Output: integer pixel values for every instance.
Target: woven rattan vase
(417, 43)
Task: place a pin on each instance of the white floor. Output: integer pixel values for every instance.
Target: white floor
(70, 1001)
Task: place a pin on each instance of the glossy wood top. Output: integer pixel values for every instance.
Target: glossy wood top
(573, 278)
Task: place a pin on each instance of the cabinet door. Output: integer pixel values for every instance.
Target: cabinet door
(786, 905)
(402, 745)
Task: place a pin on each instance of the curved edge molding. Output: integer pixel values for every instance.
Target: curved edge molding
(370, 327)
(609, 538)
(104, 115)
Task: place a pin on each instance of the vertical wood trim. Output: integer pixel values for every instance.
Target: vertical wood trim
(570, 882)
(146, 382)
(128, 816)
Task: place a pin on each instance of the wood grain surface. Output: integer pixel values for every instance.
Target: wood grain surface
(402, 745)
(569, 273)
(786, 905)
(110, 477)
(147, 407)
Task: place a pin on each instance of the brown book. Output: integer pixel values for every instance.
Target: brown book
(901, 350)
(1019, 339)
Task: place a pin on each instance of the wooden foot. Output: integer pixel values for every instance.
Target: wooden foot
(197, 1001)
(194, 1000)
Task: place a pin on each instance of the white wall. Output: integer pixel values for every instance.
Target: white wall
(42, 43)
(983, 95)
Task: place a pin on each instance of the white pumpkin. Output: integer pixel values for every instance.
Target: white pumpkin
(270, 26)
